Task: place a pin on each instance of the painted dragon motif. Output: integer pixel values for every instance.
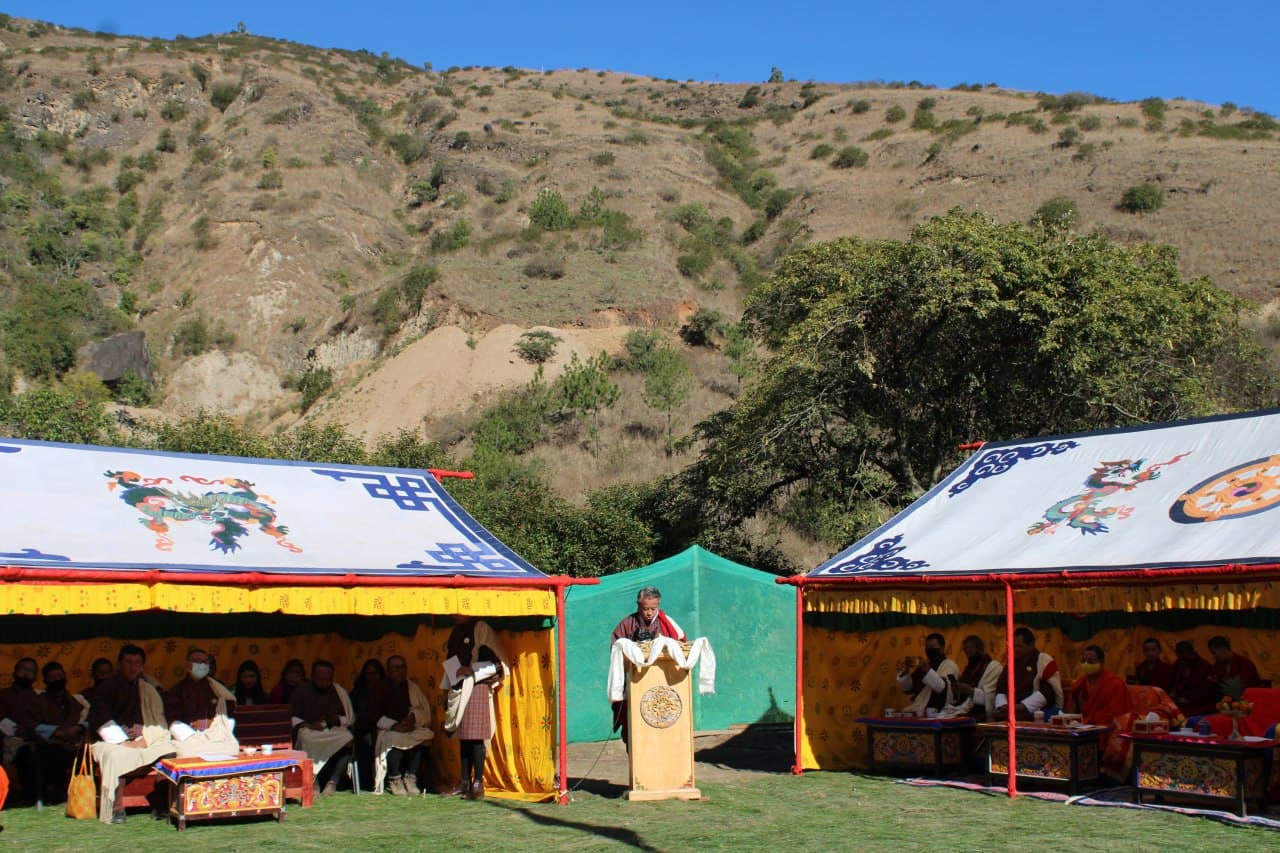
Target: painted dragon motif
(230, 512)
(1084, 512)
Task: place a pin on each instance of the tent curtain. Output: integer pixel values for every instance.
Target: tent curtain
(71, 598)
(522, 762)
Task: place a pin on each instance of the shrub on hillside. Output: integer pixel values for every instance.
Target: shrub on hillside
(849, 157)
(536, 346)
(862, 105)
(272, 180)
(702, 327)
(821, 151)
(173, 111)
(223, 95)
(544, 268)
(458, 236)
(1141, 198)
(1057, 212)
(313, 384)
(550, 212)
(895, 114)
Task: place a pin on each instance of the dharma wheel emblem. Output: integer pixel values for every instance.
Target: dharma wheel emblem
(660, 707)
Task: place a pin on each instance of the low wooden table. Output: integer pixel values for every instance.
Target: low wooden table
(1211, 770)
(241, 786)
(1055, 756)
(916, 745)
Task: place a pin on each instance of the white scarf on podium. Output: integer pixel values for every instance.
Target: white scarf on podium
(627, 650)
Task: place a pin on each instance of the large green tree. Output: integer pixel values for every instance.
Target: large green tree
(885, 355)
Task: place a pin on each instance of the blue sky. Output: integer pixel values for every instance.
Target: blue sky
(1215, 51)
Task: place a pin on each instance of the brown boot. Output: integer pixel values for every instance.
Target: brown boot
(395, 787)
(462, 790)
(476, 792)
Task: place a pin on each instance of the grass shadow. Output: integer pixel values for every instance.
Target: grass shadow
(619, 834)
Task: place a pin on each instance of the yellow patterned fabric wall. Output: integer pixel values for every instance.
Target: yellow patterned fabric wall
(522, 762)
(849, 674)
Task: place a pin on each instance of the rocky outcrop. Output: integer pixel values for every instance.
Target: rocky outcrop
(115, 356)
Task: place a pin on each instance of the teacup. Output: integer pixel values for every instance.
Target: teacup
(267, 749)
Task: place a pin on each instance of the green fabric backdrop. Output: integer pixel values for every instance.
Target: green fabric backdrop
(749, 619)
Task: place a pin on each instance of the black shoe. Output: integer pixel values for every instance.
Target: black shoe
(117, 817)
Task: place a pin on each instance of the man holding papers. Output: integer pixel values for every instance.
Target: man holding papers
(474, 671)
(127, 715)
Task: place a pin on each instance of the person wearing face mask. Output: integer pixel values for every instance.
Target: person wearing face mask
(20, 707)
(1099, 695)
(199, 710)
(60, 730)
(929, 681)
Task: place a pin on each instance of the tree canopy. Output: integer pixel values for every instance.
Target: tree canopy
(886, 355)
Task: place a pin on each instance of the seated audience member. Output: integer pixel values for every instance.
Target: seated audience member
(20, 709)
(372, 674)
(1037, 681)
(1099, 695)
(60, 730)
(249, 685)
(99, 671)
(1193, 688)
(199, 710)
(127, 717)
(976, 688)
(1231, 669)
(321, 714)
(294, 674)
(1153, 670)
(400, 714)
(929, 681)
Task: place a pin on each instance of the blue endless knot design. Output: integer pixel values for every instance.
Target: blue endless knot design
(460, 556)
(408, 493)
(996, 462)
(883, 557)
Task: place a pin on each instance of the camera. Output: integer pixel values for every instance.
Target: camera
(644, 634)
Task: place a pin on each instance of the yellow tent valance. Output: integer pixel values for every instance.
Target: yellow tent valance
(68, 599)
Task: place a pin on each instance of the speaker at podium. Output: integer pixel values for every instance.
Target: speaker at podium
(654, 678)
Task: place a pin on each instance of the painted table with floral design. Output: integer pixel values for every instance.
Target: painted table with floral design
(239, 786)
(914, 745)
(1055, 756)
(1214, 770)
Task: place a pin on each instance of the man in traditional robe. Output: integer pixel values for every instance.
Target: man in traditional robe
(127, 715)
(1037, 681)
(61, 730)
(20, 707)
(1153, 670)
(1233, 673)
(976, 687)
(929, 681)
(199, 710)
(1193, 686)
(646, 623)
(321, 716)
(99, 671)
(399, 712)
(1098, 695)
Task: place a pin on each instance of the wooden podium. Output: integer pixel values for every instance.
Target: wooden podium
(660, 730)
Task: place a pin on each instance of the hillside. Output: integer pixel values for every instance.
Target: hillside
(267, 211)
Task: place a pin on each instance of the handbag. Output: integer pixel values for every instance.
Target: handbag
(82, 794)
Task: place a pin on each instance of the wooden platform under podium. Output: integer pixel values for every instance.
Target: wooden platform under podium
(660, 727)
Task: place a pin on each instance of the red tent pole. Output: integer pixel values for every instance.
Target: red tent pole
(562, 688)
(797, 768)
(1009, 688)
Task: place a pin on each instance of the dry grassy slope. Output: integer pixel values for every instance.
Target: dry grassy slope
(295, 270)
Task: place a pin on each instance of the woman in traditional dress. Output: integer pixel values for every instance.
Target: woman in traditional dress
(481, 666)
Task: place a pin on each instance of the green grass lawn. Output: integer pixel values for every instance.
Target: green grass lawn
(819, 811)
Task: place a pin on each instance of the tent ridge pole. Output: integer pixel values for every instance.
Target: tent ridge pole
(1009, 688)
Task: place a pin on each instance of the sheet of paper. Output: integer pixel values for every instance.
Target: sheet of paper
(216, 757)
(451, 667)
(485, 670)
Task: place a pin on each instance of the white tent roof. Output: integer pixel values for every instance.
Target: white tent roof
(1177, 495)
(70, 506)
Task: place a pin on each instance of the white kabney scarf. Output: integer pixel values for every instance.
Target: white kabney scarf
(624, 649)
(388, 740)
(321, 745)
(460, 693)
(218, 738)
